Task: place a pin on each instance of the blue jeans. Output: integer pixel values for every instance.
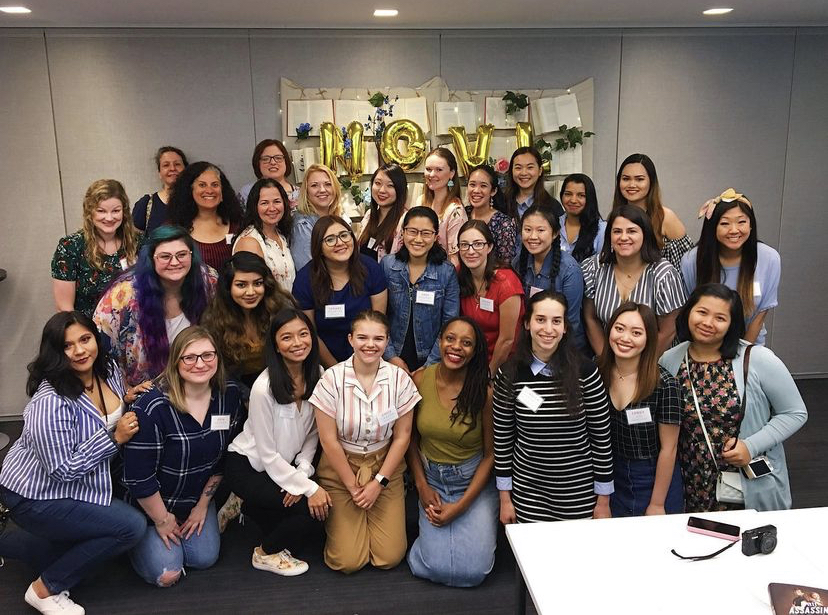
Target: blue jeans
(151, 558)
(634, 479)
(460, 554)
(79, 536)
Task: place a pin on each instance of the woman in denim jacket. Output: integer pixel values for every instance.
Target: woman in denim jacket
(422, 284)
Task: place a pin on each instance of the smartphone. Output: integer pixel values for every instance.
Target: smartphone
(758, 466)
(717, 529)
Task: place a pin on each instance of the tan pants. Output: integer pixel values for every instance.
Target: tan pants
(355, 535)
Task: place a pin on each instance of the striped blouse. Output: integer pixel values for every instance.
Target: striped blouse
(364, 421)
(660, 287)
(553, 462)
(64, 449)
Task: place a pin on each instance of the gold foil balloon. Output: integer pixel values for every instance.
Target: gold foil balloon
(465, 158)
(525, 137)
(412, 134)
(332, 148)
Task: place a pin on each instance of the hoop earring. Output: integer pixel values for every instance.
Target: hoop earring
(450, 183)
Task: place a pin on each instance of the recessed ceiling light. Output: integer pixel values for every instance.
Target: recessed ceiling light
(721, 11)
(386, 12)
(17, 10)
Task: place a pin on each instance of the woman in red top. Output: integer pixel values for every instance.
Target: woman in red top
(489, 295)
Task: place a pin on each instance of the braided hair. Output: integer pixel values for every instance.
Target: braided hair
(548, 214)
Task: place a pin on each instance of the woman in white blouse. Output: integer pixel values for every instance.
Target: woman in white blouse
(270, 462)
(363, 411)
(267, 225)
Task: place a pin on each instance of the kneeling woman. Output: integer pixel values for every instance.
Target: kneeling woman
(739, 402)
(55, 478)
(559, 467)
(175, 464)
(646, 413)
(451, 456)
(271, 461)
(363, 410)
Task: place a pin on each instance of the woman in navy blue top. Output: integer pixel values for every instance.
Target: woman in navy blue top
(174, 468)
(55, 478)
(337, 284)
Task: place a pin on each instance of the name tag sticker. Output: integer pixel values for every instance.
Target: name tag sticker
(639, 415)
(287, 412)
(757, 289)
(530, 399)
(228, 238)
(220, 422)
(487, 304)
(337, 310)
(425, 297)
(371, 243)
(125, 265)
(388, 416)
(534, 290)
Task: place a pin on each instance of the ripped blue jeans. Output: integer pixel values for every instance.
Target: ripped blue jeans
(151, 559)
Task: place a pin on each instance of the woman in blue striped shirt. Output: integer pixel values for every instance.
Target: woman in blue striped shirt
(55, 479)
(175, 464)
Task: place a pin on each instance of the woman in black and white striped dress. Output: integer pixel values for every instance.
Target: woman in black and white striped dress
(553, 457)
(630, 268)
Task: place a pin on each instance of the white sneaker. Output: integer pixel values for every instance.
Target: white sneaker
(282, 563)
(228, 512)
(58, 604)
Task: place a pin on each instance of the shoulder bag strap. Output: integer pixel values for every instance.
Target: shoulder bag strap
(149, 210)
(698, 410)
(745, 365)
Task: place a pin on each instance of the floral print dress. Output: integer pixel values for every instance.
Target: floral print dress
(721, 409)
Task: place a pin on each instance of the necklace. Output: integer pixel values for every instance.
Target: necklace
(622, 377)
(89, 388)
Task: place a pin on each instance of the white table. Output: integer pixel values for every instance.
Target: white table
(625, 565)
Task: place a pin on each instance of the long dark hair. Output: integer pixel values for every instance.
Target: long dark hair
(436, 253)
(385, 231)
(469, 403)
(251, 214)
(736, 331)
(589, 217)
(182, 209)
(565, 363)
(464, 274)
(654, 207)
(149, 293)
(541, 196)
(52, 364)
(498, 198)
(319, 275)
(648, 372)
(225, 318)
(708, 265)
(548, 214)
(650, 252)
(281, 384)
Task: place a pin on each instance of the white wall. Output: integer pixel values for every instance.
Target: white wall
(713, 107)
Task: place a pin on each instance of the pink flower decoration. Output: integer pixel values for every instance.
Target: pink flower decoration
(502, 165)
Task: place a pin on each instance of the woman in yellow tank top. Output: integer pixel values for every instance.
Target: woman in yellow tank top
(451, 457)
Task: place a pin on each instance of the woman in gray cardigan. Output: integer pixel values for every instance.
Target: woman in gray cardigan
(710, 362)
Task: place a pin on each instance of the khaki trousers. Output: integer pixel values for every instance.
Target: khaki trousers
(357, 536)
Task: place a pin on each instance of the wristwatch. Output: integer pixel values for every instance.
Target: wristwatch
(382, 480)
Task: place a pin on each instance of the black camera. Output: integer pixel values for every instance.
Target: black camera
(759, 540)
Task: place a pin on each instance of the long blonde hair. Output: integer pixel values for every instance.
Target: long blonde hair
(171, 382)
(305, 207)
(99, 191)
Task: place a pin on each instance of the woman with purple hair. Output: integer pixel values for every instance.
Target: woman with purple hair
(143, 311)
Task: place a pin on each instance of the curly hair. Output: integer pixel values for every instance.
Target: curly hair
(100, 191)
(472, 397)
(226, 319)
(183, 209)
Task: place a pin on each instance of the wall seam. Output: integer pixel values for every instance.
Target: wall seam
(618, 113)
(252, 92)
(54, 130)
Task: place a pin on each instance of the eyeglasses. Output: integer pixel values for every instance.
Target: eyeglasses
(166, 257)
(276, 158)
(344, 237)
(426, 234)
(477, 246)
(206, 357)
